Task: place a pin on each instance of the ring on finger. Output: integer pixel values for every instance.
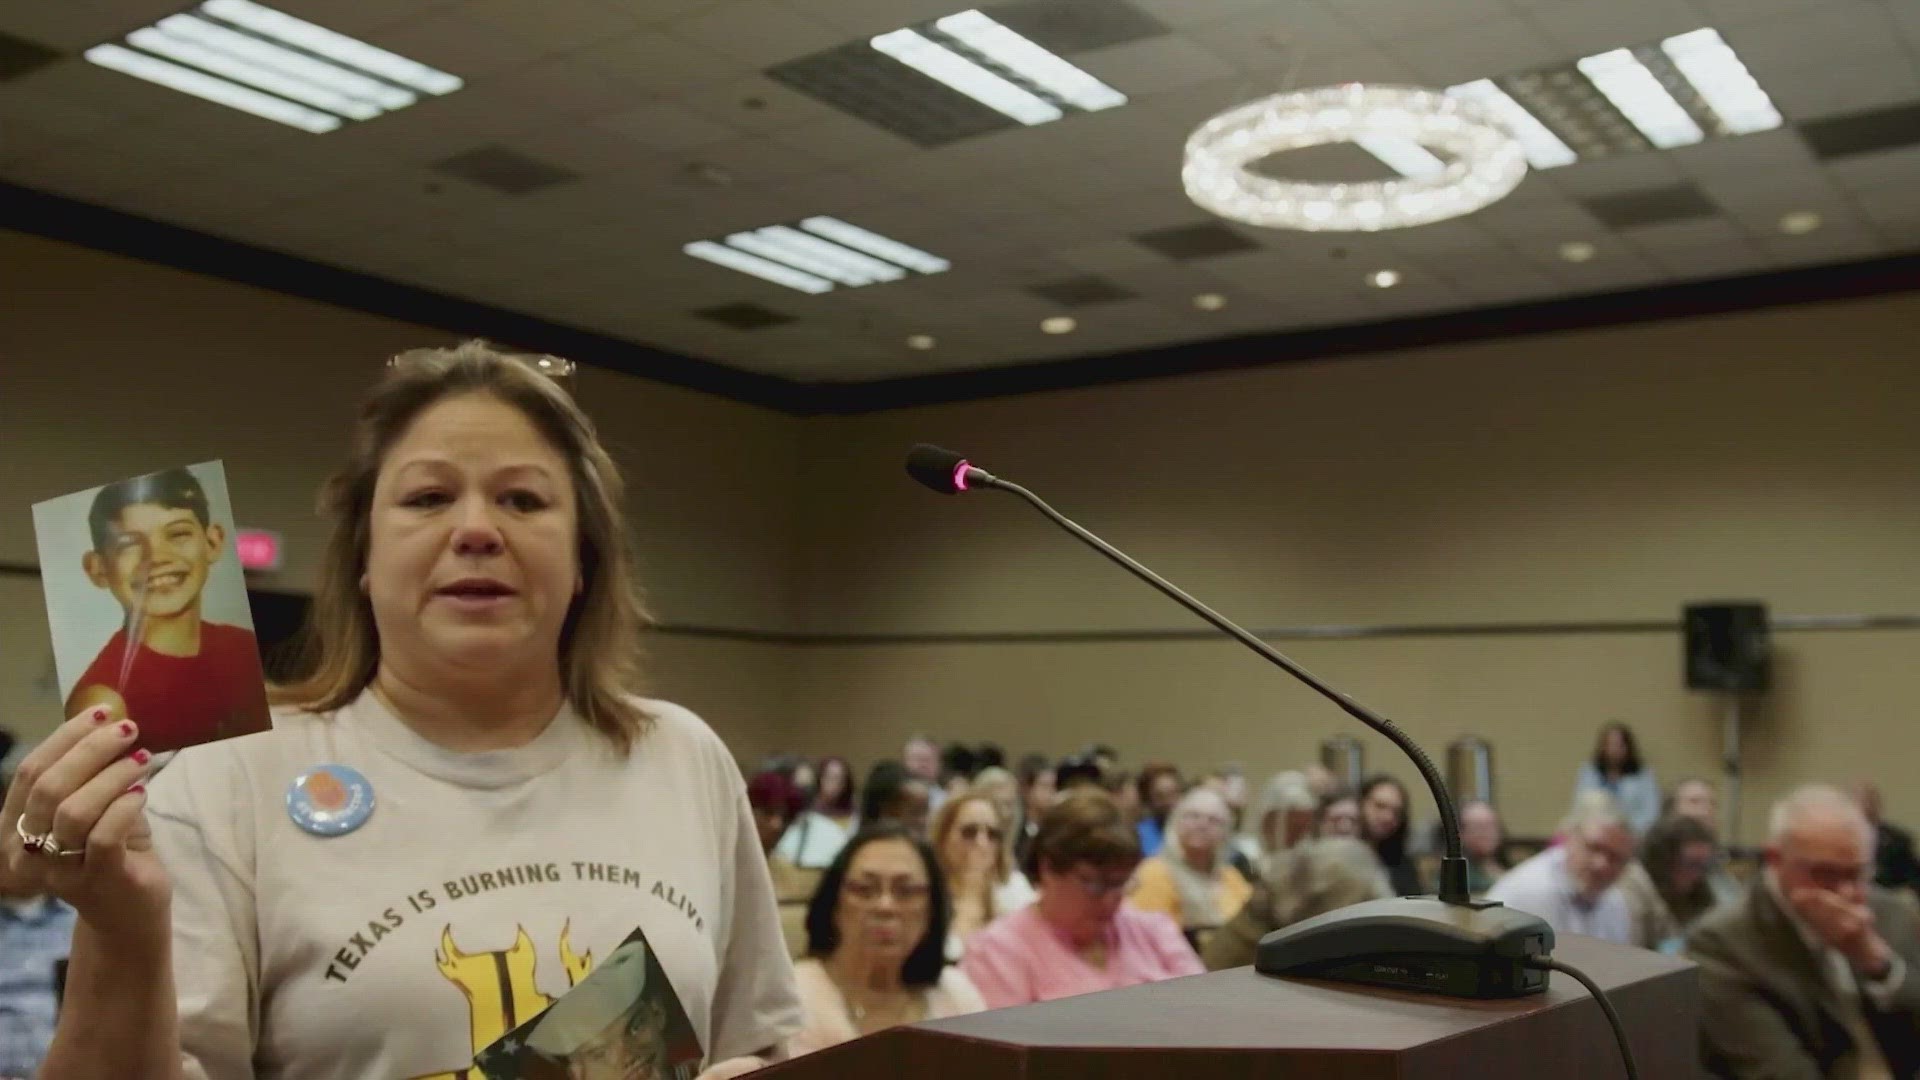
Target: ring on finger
(42, 843)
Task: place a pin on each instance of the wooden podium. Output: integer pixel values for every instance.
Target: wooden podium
(1241, 1024)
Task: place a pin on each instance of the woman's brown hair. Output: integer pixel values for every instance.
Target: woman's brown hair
(599, 656)
(1085, 826)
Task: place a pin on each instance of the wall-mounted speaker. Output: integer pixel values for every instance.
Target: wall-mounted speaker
(1727, 646)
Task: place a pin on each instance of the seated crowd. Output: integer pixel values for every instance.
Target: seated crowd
(946, 882)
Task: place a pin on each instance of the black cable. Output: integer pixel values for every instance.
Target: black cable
(1613, 1018)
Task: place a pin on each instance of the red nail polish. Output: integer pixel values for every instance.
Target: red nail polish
(126, 729)
(100, 716)
(141, 757)
(136, 789)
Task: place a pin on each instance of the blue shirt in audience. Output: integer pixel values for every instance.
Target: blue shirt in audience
(34, 936)
(1637, 794)
(1150, 837)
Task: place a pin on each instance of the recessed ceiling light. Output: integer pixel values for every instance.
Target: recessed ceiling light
(1799, 222)
(823, 252)
(996, 66)
(1576, 251)
(922, 342)
(267, 63)
(1058, 324)
(1384, 279)
(1209, 301)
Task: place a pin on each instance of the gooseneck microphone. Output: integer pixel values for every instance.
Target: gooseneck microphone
(950, 474)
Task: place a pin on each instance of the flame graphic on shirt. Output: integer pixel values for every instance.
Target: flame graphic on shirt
(500, 988)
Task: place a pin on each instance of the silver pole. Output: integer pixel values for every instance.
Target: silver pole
(1730, 764)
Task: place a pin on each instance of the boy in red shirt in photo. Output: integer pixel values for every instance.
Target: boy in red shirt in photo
(188, 680)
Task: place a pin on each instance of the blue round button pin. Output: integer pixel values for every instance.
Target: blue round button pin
(330, 800)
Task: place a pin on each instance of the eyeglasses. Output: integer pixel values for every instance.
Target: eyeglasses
(972, 831)
(1833, 876)
(904, 893)
(1100, 886)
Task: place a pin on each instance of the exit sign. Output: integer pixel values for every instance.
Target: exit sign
(259, 549)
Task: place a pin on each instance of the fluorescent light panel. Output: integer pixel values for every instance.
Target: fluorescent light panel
(977, 31)
(765, 269)
(1404, 156)
(1647, 105)
(821, 253)
(1543, 148)
(1709, 63)
(942, 64)
(239, 53)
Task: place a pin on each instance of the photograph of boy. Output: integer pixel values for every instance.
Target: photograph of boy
(622, 1022)
(189, 679)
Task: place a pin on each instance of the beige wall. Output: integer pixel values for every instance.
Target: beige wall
(1608, 475)
(112, 367)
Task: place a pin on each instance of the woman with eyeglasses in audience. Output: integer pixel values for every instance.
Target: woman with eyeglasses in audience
(1191, 879)
(1076, 937)
(970, 838)
(876, 937)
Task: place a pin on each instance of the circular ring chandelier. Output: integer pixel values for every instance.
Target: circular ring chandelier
(1482, 161)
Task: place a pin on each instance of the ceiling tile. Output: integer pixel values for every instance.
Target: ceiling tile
(665, 126)
(361, 18)
(661, 63)
(1622, 172)
(1831, 243)
(1875, 131)
(1265, 41)
(865, 18)
(1069, 27)
(1830, 31)
(1390, 20)
(452, 41)
(1583, 28)
(1200, 12)
(71, 27)
(1869, 79)
(552, 27)
(1160, 63)
(1444, 57)
(755, 32)
(1649, 207)
(1358, 65)
(1731, 13)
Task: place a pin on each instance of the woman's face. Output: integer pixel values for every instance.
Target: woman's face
(1082, 900)
(1691, 868)
(833, 781)
(803, 776)
(1201, 827)
(1613, 747)
(1040, 794)
(973, 841)
(1342, 818)
(771, 824)
(883, 907)
(473, 550)
(1382, 811)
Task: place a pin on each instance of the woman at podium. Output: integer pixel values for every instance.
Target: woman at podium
(1078, 937)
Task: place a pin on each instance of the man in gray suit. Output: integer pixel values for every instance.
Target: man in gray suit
(1815, 973)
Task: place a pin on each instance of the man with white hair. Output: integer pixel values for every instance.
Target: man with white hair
(1572, 885)
(1810, 975)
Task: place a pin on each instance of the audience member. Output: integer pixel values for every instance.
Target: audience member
(1104, 757)
(1616, 768)
(876, 931)
(1125, 789)
(1338, 815)
(35, 931)
(1308, 879)
(1812, 973)
(1894, 864)
(1190, 878)
(1160, 788)
(1698, 799)
(969, 838)
(921, 756)
(1572, 884)
(1077, 771)
(892, 794)
(999, 786)
(819, 833)
(1280, 818)
(988, 755)
(1383, 824)
(957, 767)
(1077, 938)
(1036, 794)
(1666, 888)
(1321, 781)
(1484, 842)
(775, 802)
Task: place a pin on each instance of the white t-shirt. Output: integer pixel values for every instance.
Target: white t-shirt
(480, 889)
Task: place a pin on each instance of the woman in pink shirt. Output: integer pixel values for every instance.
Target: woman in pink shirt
(1077, 937)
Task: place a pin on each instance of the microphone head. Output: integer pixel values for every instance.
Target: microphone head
(942, 470)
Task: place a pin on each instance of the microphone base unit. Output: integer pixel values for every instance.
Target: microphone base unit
(1480, 950)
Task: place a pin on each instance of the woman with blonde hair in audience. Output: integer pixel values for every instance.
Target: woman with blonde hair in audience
(1077, 937)
(1279, 818)
(970, 840)
(1191, 879)
(1303, 881)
